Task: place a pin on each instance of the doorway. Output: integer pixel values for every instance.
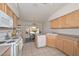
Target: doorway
(31, 34)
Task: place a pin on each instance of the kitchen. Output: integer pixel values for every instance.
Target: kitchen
(33, 29)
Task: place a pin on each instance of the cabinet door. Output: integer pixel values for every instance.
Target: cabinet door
(2, 7)
(77, 49)
(55, 23)
(51, 41)
(72, 19)
(69, 46)
(8, 11)
(59, 43)
(7, 53)
(62, 22)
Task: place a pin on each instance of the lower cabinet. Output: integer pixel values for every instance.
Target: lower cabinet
(51, 42)
(76, 49)
(68, 45)
(59, 43)
(7, 53)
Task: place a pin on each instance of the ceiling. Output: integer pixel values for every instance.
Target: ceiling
(39, 12)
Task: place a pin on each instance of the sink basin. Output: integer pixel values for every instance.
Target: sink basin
(10, 41)
(1, 42)
(7, 41)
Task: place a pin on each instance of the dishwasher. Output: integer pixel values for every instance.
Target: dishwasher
(41, 41)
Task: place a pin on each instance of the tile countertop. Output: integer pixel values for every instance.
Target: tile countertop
(54, 34)
(73, 37)
(3, 49)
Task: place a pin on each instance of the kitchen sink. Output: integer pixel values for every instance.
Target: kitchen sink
(1, 42)
(10, 41)
(7, 41)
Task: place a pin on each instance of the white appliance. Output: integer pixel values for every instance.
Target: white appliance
(41, 41)
(16, 46)
(5, 20)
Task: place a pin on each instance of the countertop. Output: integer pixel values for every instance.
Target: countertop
(73, 37)
(14, 42)
(3, 49)
(69, 36)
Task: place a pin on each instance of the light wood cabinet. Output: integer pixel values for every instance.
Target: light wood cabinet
(64, 44)
(69, 47)
(2, 7)
(76, 49)
(8, 11)
(51, 40)
(59, 22)
(62, 22)
(5, 8)
(55, 23)
(59, 43)
(7, 52)
(72, 19)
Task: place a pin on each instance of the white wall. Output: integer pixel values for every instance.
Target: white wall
(14, 7)
(66, 9)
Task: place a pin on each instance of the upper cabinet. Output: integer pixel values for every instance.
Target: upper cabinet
(11, 15)
(62, 22)
(70, 20)
(55, 23)
(8, 11)
(2, 7)
(59, 22)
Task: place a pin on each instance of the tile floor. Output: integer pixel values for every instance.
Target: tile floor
(29, 49)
